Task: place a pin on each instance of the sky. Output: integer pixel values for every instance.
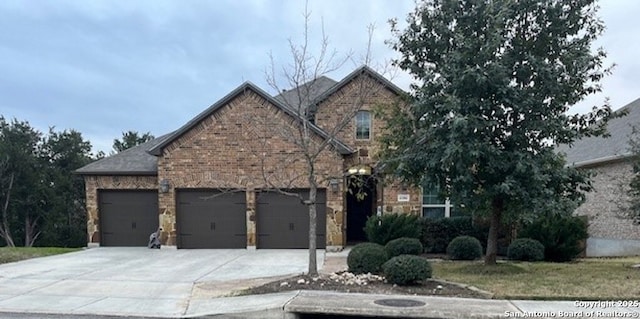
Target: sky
(107, 67)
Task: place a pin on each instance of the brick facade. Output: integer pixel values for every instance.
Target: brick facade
(348, 100)
(604, 204)
(246, 144)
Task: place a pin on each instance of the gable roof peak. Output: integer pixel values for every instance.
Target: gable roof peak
(362, 70)
(247, 85)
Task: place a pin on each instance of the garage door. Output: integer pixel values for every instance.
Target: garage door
(211, 219)
(283, 221)
(127, 218)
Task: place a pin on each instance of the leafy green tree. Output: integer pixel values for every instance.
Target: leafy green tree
(130, 139)
(22, 190)
(42, 201)
(494, 80)
(65, 221)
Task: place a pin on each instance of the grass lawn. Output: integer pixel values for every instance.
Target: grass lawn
(10, 254)
(591, 278)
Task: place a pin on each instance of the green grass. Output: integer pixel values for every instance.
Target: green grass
(11, 254)
(592, 278)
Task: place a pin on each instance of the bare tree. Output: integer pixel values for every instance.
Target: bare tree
(303, 74)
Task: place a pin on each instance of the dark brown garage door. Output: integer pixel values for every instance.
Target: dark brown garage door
(127, 218)
(211, 219)
(283, 221)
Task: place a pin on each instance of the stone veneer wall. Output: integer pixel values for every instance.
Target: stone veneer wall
(229, 150)
(603, 205)
(393, 206)
(95, 183)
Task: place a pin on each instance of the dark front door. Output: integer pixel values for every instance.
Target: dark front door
(127, 218)
(361, 200)
(211, 219)
(283, 221)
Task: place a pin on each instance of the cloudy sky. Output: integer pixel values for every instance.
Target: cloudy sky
(104, 67)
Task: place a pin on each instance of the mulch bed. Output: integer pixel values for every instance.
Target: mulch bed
(325, 282)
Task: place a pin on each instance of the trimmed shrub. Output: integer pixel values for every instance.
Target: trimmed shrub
(437, 233)
(526, 249)
(406, 269)
(403, 246)
(464, 248)
(382, 229)
(366, 258)
(562, 236)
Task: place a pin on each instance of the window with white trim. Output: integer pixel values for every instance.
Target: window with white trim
(363, 125)
(434, 205)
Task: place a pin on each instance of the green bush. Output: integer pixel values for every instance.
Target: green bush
(438, 233)
(562, 236)
(366, 258)
(526, 249)
(406, 269)
(382, 229)
(464, 248)
(403, 246)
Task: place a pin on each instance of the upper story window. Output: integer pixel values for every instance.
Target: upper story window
(363, 125)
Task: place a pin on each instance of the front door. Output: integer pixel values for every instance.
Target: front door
(361, 200)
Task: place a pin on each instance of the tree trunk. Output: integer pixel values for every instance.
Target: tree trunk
(313, 262)
(30, 234)
(5, 230)
(497, 205)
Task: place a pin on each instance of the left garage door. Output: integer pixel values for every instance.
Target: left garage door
(211, 219)
(127, 218)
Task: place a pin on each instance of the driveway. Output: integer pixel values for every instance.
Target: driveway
(139, 281)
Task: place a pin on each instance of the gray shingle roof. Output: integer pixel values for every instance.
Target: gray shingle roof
(157, 149)
(306, 93)
(132, 161)
(594, 150)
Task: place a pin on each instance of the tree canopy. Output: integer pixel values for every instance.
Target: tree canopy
(130, 139)
(42, 201)
(494, 80)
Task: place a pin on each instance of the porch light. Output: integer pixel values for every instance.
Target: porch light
(359, 170)
(335, 185)
(164, 186)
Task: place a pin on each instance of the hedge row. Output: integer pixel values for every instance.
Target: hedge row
(562, 236)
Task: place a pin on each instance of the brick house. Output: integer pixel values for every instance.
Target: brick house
(210, 183)
(610, 233)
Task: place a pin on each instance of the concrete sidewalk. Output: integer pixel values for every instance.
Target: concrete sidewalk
(445, 307)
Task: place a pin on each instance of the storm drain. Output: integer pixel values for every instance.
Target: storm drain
(401, 303)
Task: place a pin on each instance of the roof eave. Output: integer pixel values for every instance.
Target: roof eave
(601, 160)
(117, 173)
(157, 150)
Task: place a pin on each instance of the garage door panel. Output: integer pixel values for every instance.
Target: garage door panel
(283, 221)
(211, 219)
(127, 218)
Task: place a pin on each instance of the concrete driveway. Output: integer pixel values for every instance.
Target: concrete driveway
(140, 281)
